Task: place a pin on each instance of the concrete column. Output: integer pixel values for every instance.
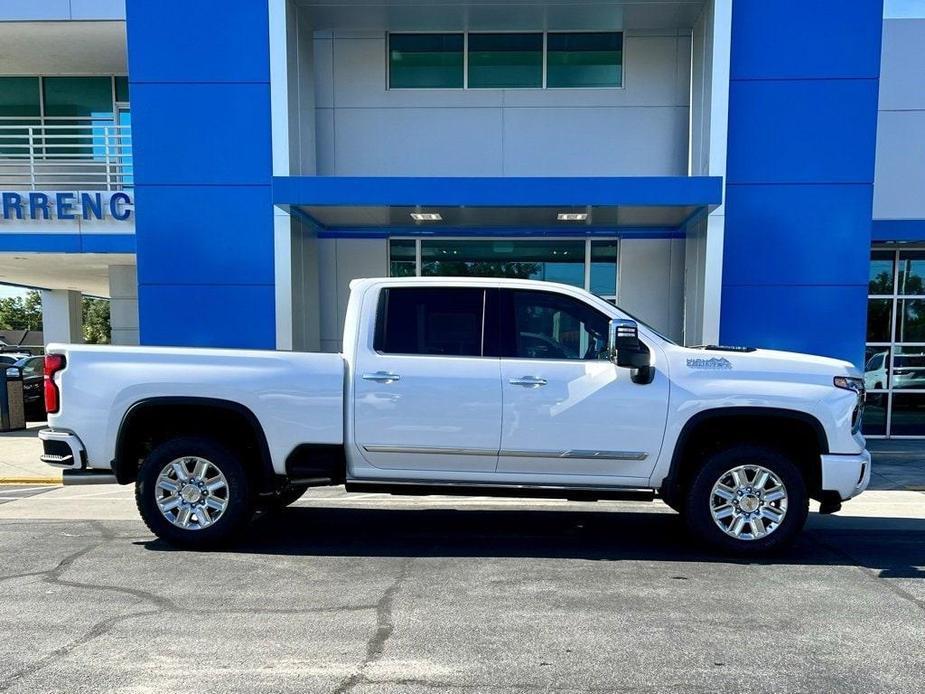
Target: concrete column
(61, 316)
(123, 306)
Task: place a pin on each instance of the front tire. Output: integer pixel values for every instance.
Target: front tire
(193, 492)
(746, 500)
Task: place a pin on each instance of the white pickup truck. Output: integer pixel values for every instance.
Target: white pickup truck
(466, 386)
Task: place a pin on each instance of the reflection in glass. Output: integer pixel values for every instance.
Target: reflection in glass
(876, 367)
(505, 61)
(604, 268)
(881, 272)
(911, 272)
(419, 61)
(584, 59)
(908, 414)
(401, 258)
(554, 261)
(879, 316)
(874, 414)
(908, 367)
(910, 320)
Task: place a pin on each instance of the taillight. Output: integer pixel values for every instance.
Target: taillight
(53, 364)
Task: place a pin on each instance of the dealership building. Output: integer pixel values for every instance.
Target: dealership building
(729, 171)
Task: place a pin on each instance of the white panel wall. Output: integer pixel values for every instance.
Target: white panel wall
(651, 283)
(363, 129)
(900, 173)
(340, 261)
(123, 304)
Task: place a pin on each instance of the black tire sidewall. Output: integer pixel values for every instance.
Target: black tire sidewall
(697, 512)
(240, 493)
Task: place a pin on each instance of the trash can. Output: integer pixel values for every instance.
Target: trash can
(12, 406)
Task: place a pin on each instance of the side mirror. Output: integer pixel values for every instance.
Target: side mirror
(625, 349)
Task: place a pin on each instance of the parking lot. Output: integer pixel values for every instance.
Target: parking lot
(373, 593)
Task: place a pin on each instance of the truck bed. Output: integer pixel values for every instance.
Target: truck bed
(297, 397)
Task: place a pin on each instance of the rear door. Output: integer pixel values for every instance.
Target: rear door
(566, 409)
(425, 396)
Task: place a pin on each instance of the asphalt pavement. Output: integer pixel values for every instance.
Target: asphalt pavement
(372, 593)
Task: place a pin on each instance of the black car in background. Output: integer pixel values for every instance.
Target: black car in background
(33, 374)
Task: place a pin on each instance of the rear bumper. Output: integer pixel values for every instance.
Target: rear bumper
(62, 449)
(846, 475)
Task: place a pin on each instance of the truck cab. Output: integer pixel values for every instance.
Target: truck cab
(469, 386)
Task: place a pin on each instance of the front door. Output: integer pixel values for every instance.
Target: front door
(425, 396)
(567, 410)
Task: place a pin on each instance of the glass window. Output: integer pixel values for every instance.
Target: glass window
(553, 326)
(446, 321)
(418, 61)
(879, 316)
(881, 272)
(122, 88)
(505, 61)
(907, 417)
(876, 366)
(33, 367)
(874, 414)
(911, 272)
(910, 320)
(554, 261)
(78, 97)
(584, 59)
(402, 258)
(19, 97)
(604, 268)
(908, 367)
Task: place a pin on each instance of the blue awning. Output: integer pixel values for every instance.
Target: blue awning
(385, 205)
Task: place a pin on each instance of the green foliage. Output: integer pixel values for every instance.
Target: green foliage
(21, 313)
(96, 321)
(25, 313)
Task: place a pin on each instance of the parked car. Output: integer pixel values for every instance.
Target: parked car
(32, 369)
(11, 358)
(440, 390)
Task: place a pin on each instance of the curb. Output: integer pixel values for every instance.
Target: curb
(4, 481)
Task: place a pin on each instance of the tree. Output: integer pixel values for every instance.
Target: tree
(25, 313)
(96, 321)
(21, 312)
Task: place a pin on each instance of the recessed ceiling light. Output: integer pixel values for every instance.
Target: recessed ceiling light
(572, 216)
(426, 217)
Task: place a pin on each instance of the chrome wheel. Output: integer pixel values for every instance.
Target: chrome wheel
(191, 492)
(748, 502)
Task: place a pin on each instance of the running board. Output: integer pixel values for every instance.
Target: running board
(87, 476)
(496, 490)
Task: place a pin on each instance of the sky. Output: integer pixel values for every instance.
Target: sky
(7, 290)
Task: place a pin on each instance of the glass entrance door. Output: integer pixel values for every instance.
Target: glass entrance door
(587, 263)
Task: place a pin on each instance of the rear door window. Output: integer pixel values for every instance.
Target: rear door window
(446, 321)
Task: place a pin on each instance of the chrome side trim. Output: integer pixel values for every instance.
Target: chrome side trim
(431, 450)
(587, 455)
(511, 453)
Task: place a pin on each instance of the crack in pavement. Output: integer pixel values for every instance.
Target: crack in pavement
(375, 646)
(160, 604)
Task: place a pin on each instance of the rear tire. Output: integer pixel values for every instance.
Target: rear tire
(746, 500)
(193, 492)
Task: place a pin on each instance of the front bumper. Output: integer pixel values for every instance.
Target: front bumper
(62, 449)
(846, 475)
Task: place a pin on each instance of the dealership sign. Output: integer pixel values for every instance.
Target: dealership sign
(67, 205)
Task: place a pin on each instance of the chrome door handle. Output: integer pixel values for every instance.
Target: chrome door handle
(528, 381)
(382, 377)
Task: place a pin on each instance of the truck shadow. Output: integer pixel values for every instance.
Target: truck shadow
(893, 547)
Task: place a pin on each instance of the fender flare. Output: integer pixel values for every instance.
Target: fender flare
(124, 470)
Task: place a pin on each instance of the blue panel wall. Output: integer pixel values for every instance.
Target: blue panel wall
(199, 74)
(799, 184)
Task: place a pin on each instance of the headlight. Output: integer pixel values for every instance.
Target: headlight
(856, 385)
